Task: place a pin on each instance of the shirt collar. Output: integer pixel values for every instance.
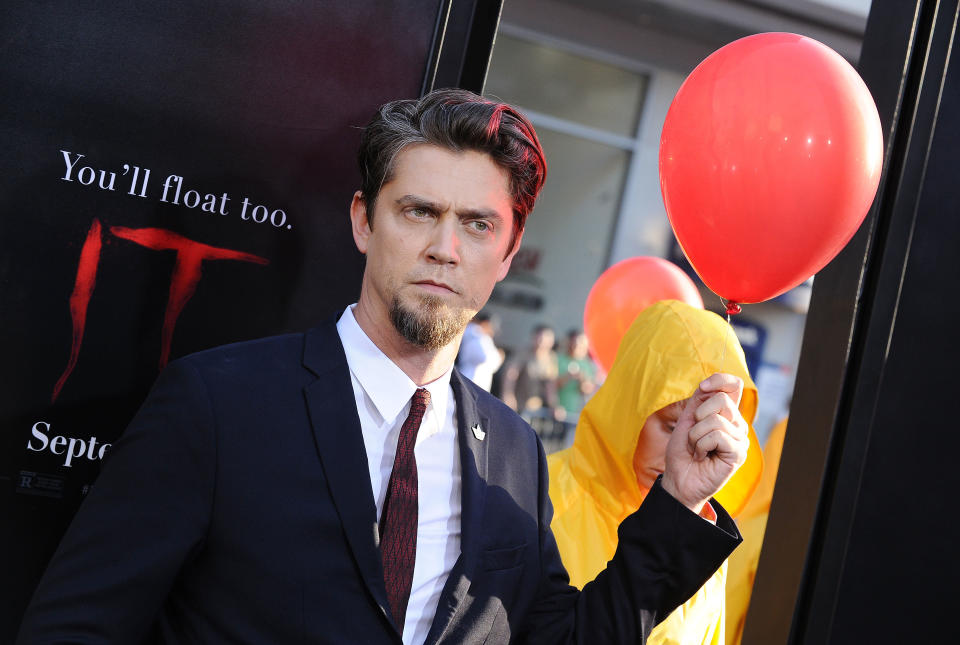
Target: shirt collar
(388, 387)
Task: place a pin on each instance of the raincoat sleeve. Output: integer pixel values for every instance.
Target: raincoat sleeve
(664, 555)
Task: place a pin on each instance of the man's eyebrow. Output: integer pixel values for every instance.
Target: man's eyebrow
(437, 207)
(417, 200)
(479, 213)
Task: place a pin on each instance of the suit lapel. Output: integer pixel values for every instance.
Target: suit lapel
(473, 468)
(336, 430)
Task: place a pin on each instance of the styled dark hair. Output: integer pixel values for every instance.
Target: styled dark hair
(457, 120)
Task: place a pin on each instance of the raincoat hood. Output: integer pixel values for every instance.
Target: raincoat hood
(668, 350)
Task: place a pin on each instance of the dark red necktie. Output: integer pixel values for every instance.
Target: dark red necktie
(398, 521)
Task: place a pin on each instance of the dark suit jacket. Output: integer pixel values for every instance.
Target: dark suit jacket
(237, 508)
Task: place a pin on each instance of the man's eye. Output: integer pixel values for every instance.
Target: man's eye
(480, 226)
(419, 213)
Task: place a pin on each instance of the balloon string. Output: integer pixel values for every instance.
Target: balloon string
(723, 353)
(731, 309)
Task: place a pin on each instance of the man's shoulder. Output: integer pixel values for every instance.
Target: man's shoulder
(282, 345)
(494, 407)
(268, 357)
(271, 363)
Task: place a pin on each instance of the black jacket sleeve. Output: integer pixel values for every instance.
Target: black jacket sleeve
(141, 521)
(665, 553)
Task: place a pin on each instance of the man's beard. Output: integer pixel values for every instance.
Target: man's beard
(431, 326)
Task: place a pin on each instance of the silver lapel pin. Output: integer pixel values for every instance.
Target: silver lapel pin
(478, 432)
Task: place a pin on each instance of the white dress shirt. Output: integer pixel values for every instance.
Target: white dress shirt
(383, 392)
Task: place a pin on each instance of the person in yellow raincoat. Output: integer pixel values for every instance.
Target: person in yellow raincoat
(620, 442)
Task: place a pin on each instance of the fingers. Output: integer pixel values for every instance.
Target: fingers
(716, 433)
(722, 445)
(717, 397)
(719, 403)
(728, 383)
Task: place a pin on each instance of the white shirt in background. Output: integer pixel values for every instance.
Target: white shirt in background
(479, 357)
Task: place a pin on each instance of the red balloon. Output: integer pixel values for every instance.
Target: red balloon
(623, 291)
(769, 160)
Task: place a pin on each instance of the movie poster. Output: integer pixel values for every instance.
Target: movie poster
(172, 177)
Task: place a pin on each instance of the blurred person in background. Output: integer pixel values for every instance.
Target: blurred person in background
(479, 357)
(619, 450)
(530, 380)
(577, 378)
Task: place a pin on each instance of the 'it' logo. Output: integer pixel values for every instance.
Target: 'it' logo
(183, 282)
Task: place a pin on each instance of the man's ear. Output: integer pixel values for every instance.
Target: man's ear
(505, 264)
(359, 221)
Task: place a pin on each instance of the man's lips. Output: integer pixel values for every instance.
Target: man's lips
(438, 287)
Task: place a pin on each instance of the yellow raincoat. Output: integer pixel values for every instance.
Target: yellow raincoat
(668, 350)
(753, 524)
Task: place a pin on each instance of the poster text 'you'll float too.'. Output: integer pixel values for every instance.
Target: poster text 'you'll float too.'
(173, 190)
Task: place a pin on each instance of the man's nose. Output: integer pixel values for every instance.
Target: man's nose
(444, 246)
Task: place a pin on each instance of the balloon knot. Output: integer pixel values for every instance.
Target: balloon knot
(733, 308)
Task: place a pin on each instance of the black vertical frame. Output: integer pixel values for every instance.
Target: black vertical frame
(463, 44)
(854, 550)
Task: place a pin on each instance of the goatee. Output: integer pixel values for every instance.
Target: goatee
(431, 326)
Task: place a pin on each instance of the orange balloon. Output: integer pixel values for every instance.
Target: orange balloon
(623, 291)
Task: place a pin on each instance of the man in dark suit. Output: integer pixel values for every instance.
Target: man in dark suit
(347, 485)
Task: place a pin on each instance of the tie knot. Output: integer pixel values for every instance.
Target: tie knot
(420, 400)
